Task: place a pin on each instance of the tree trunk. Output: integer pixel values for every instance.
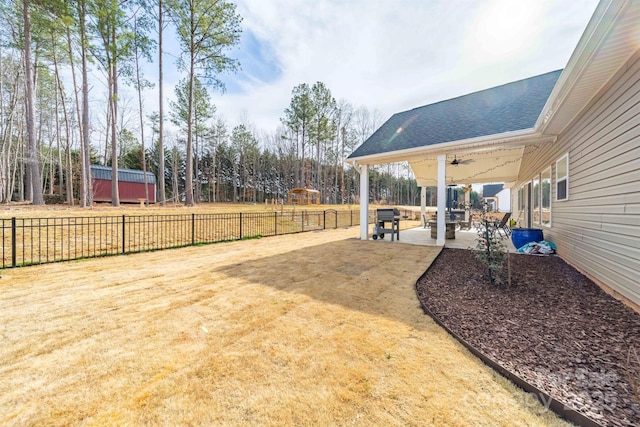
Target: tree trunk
(144, 157)
(176, 165)
(196, 189)
(70, 195)
(86, 185)
(69, 178)
(113, 99)
(161, 193)
(188, 179)
(32, 159)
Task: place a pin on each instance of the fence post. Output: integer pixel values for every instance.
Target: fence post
(124, 241)
(193, 229)
(14, 256)
(275, 223)
(240, 226)
(324, 220)
(302, 222)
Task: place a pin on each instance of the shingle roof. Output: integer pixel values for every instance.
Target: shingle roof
(510, 107)
(490, 190)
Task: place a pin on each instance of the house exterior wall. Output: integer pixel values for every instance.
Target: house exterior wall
(504, 200)
(597, 230)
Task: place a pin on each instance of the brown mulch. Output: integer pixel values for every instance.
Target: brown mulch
(553, 327)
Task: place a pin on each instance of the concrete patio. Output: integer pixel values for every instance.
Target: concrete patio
(465, 239)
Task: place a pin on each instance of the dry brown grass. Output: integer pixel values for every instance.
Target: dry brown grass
(59, 232)
(309, 329)
(22, 210)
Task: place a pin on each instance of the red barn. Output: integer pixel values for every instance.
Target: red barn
(130, 184)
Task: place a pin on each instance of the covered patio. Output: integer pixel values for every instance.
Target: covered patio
(465, 239)
(477, 138)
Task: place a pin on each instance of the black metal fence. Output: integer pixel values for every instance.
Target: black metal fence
(28, 241)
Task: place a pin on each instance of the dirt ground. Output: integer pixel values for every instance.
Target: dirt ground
(553, 327)
(310, 329)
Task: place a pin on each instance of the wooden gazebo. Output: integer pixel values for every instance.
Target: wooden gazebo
(303, 196)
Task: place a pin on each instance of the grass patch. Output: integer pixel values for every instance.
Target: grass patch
(313, 329)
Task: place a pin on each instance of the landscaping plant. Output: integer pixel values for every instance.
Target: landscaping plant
(493, 253)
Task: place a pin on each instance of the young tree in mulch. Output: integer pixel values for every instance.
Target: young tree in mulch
(493, 253)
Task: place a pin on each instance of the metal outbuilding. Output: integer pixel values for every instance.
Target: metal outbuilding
(130, 184)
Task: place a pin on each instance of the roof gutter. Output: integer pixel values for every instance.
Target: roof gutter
(526, 136)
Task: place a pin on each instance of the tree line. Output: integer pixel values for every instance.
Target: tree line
(51, 130)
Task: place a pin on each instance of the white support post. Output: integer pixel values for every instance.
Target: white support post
(467, 201)
(364, 202)
(423, 205)
(442, 198)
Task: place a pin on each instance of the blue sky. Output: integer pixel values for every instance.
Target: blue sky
(390, 55)
(259, 64)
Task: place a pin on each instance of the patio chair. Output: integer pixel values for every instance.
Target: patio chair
(503, 225)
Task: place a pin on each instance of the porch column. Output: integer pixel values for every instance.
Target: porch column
(364, 202)
(467, 200)
(423, 205)
(442, 198)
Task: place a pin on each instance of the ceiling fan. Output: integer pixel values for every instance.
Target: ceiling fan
(456, 162)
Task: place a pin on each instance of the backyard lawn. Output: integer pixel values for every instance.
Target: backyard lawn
(317, 328)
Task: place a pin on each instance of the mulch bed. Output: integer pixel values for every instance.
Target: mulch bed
(553, 327)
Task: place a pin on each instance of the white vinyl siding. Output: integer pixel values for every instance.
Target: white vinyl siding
(597, 229)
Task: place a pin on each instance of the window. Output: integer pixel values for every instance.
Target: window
(545, 196)
(535, 199)
(562, 178)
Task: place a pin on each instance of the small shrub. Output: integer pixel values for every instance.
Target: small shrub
(493, 253)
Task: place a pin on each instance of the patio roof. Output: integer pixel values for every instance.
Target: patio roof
(507, 108)
(485, 131)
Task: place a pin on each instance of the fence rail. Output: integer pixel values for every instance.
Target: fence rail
(29, 241)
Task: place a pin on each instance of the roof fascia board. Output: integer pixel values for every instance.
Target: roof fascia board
(514, 139)
(597, 29)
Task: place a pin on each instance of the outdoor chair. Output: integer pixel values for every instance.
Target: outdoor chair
(503, 225)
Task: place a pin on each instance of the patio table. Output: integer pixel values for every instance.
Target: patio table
(450, 229)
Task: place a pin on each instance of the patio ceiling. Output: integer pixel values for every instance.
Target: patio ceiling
(499, 165)
(480, 160)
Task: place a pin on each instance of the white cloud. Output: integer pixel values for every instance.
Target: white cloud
(398, 55)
